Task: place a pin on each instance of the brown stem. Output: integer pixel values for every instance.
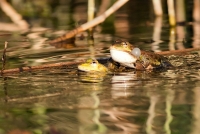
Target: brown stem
(29, 68)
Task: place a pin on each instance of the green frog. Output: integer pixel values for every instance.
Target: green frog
(92, 65)
(132, 57)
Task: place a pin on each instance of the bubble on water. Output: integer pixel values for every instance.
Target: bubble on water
(136, 51)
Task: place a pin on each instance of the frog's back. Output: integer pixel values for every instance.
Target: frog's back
(151, 60)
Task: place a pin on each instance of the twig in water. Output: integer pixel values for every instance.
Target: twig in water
(91, 23)
(4, 57)
(41, 67)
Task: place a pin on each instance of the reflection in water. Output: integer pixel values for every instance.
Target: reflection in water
(122, 89)
(169, 100)
(196, 38)
(89, 114)
(195, 110)
(123, 81)
(172, 38)
(156, 34)
(151, 112)
(92, 77)
(4, 84)
(180, 33)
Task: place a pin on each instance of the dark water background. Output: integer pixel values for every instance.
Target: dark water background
(63, 101)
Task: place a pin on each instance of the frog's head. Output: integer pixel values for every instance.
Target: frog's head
(121, 46)
(92, 65)
(124, 53)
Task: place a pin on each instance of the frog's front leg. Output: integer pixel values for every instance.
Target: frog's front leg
(140, 65)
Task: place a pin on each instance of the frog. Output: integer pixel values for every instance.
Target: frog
(130, 56)
(92, 65)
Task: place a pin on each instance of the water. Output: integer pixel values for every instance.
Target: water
(63, 100)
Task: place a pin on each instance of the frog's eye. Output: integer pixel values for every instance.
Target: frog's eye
(136, 51)
(124, 43)
(94, 63)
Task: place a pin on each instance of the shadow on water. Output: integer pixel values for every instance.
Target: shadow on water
(65, 101)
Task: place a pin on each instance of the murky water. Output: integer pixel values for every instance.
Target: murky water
(66, 101)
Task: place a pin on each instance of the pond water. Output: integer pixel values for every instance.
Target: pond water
(64, 101)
